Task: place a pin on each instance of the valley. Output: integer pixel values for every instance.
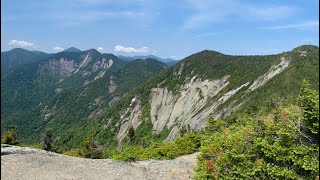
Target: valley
(94, 105)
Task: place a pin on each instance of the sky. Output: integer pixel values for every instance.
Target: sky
(166, 28)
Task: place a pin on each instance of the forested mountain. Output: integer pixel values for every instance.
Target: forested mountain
(209, 84)
(17, 56)
(168, 61)
(67, 89)
(131, 108)
(72, 49)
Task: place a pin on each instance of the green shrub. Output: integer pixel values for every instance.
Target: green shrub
(277, 146)
(47, 139)
(10, 137)
(187, 144)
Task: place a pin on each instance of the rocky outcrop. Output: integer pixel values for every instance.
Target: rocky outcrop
(274, 70)
(104, 65)
(112, 85)
(46, 112)
(28, 163)
(84, 63)
(130, 117)
(195, 100)
(62, 67)
(168, 109)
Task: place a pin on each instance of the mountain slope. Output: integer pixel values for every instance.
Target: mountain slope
(67, 89)
(72, 49)
(168, 61)
(211, 84)
(17, 56)
(88, 99)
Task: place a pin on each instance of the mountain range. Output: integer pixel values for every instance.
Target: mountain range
(86, 93)
(130, 58)
(17, 56)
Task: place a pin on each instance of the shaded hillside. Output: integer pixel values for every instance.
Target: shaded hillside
(89, 99)
(210, 84)
(67, 89)
(17, 56)
(168, 61)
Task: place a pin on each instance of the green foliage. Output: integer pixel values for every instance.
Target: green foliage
(19, 56)
(214, 125)
(267, 147)
(27, 94)
(10, 136)
(187, 144)
(309, 100)
(47, 139)
(131, 135)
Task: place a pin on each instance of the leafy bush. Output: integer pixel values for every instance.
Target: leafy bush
(187, 144)
(47, 139)
(10, 137)
(277, 146)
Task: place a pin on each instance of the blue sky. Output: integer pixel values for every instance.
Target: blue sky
(166, 28)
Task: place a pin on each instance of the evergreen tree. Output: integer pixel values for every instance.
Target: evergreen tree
(10, 137)
(47, 139)
(131, 135)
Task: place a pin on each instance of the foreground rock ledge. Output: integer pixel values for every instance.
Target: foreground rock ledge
(28, 163)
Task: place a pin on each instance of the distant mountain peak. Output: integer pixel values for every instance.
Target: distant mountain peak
(150, 56)
(72, 49)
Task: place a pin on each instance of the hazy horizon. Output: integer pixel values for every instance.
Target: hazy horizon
(167, 29)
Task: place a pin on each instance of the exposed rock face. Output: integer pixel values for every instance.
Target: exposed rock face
(97, 103)
(28, 163)
(58, 90)
(112, 85)
(274, 70)
(62, 67)
(303, 53)
(46, 112)
(195, 101)
(85, 62)
(130, 117)
(115, 99)
(179, 71)
(168, 109)
(104, 65)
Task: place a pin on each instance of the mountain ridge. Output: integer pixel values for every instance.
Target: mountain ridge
(207, 84)
(72, 49)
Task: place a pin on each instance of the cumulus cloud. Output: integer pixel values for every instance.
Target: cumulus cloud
(128, 50)
(100, 49)
(20, 43)
(57, 49)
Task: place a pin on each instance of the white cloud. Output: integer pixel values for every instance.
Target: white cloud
(100, 49)
(309, 25)
(57, 49)
(128, 50)
(20, 43)
(208, 12)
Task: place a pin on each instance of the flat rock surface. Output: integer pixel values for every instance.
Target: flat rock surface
(28, 163)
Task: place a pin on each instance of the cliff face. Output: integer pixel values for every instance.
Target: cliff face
(28, 163)
(194, 102)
